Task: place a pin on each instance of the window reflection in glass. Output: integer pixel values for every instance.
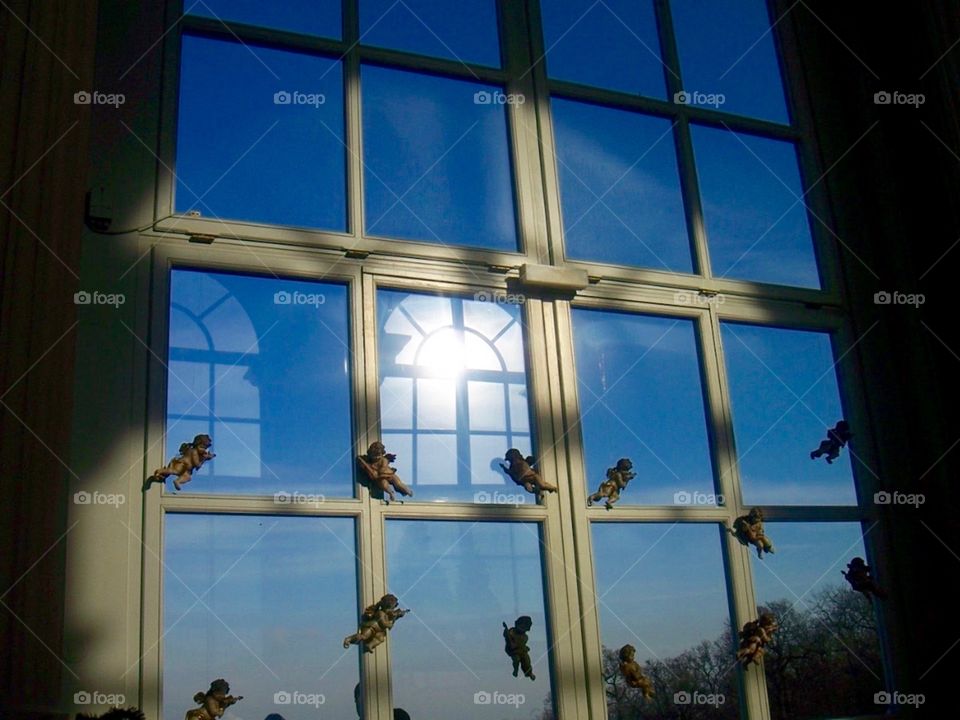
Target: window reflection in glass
(283, 161)
(611, 44)
(428, 27)
(620, 188)
(436, 160)
(784, 397)
(461, 581)
(661, 589)
(261, 365)
(638, 380)
(754, 208)
(726, 48)
(263, 602)
(301, 16)
(453, 394)
(828, 633)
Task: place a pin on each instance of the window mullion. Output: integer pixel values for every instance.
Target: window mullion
(740, 586)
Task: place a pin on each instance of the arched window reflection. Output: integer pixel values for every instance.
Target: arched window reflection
(261, 364)
(453, 393)
(213, 346)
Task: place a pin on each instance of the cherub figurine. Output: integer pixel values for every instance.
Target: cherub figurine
(837, 437)
(376, 465)
(617, 479)
(214, 702)
(522, 473)
(192, 457)
(748, 529)
(515, 645)
(374, 623)
(116, 713)
(632, 674)
(753, 638)
(860, 578)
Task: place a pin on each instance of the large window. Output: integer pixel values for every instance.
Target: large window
(583, 231)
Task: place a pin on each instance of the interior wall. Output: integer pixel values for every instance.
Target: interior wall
(46, 55)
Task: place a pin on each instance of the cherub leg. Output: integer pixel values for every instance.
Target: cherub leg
(822, 449)
(374, 641)
(516, 665)
(183, 478)
(612, 498)
(594, 498)
(386, 490)
(401, 487)
(526, 666)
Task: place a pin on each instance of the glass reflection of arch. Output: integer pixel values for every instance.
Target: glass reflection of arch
(453, 393)
(213, 344)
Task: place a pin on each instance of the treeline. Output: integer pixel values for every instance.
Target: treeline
(824, 661)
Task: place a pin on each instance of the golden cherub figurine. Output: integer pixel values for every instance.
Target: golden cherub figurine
(632, 673)
(515, 645)
(214, 702)
(748, 529)
(374, 623)
(376, 466)
(191, 458)
(754, 637)
(522, 473)
(617, 479)
(859, 576)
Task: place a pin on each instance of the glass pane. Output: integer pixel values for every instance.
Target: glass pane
(785, 397)
(436, 160)
(828, 636)
(428, 27)
(638, 379)
(661, 589)
(302, 16)
(453, 395)
(753, 208)
(461, 581)
(610, 44)
(260, 135)
(262, 366)
(619, 187)
(242, 600)
(726, 47)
